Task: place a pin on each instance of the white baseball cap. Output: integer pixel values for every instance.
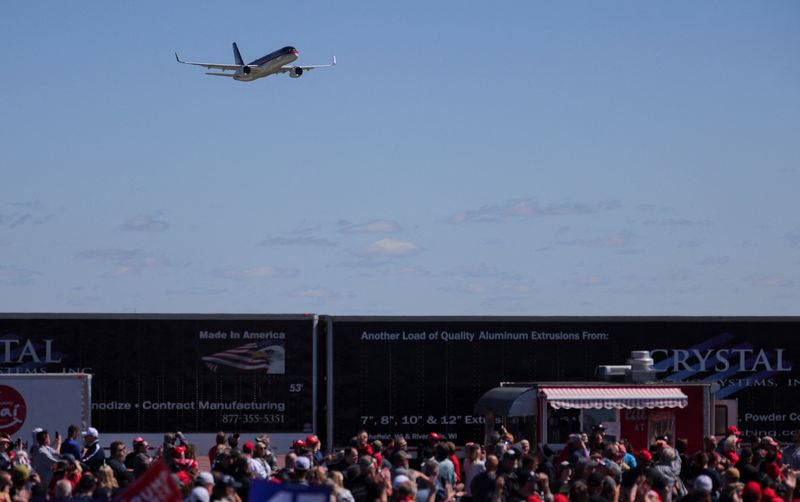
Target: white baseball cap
(91, 431)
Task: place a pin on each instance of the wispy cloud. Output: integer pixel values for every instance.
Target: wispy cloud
(481, 271)
(715, 260)
(618, 240)
(196, 291)
(677, 222)
(145, 223)
(23, 213)
(370, 227)
(390, 247)
(409, 271)
(483, 288)
(125, 261)
(11, 275)
(769, 281)
(587, 281)
(673, 276)
(300, 240)
(528, 208)
(261, 272)
(324, 293)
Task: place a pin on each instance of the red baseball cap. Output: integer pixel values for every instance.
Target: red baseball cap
(312, 440)
(433, 435)
(733, 430)
(298, 443)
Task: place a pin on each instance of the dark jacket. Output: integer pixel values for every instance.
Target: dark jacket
(94, 458)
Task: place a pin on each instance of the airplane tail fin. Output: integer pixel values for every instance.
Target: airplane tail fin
(236, 55)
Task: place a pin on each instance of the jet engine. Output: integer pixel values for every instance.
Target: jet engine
(295, 72)
(246, 70)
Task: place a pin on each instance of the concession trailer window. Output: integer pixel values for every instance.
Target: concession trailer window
(579, 408)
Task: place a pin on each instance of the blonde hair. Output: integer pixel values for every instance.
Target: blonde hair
(337, 478)
(318, 476)
(106, 479)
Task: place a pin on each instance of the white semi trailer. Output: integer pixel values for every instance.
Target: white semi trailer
(52, 401)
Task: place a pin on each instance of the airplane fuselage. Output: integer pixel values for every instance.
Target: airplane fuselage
(267, 65)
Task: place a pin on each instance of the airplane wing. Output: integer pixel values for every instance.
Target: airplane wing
(221, 74)
(211, 66)
(284, 69)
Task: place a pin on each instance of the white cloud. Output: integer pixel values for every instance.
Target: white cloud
(391, 247)
(125, 261)
(371, 227)
(528, 208)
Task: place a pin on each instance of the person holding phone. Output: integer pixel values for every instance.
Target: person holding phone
(44, 456)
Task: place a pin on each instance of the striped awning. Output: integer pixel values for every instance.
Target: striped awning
(614, 397)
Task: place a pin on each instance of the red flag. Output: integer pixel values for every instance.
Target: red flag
(155, 485)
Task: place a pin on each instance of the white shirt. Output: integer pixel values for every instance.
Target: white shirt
(259, 468)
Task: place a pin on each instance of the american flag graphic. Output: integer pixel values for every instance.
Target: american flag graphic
(267, 356)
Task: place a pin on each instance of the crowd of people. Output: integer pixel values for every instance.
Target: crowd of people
(589, 468)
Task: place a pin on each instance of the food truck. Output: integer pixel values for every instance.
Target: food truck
(636, 408)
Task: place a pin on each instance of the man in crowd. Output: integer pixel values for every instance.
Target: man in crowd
(93, 455)
(71, 446)
(349, 457)
(483, 485)
(44, 457)
(259, 457)
(139, 460)
(268, 454)
(116, 460)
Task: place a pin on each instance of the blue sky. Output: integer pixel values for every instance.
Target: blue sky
(583, 158)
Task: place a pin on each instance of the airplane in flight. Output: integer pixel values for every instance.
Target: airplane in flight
(274, 62)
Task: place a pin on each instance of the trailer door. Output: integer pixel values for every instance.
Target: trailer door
(726, 413)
